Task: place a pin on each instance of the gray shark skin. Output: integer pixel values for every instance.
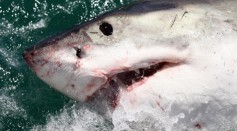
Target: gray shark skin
(165, 65)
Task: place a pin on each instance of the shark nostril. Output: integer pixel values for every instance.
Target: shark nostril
(78, 52)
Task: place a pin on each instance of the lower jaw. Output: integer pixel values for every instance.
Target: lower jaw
(128, 81)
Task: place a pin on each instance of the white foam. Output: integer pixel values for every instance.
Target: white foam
(73, 119)
(10, 58)
(9, 107)
(7, 28)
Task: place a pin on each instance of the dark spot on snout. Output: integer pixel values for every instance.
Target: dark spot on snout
(32, 53)
(106, 28)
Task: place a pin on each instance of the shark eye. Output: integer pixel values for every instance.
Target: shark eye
(106, 28)
(78, 52)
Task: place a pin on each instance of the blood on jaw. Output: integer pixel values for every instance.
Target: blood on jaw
(86, 47)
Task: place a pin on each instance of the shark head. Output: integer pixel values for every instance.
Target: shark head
(86, 58)
(173, 57)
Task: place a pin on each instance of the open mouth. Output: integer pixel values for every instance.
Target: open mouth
(129, 79)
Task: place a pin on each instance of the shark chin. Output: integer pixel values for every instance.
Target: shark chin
(156, 65)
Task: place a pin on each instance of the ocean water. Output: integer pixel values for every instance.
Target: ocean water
(26, 103)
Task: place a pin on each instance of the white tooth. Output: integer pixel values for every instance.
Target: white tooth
(137, 71)
(114, 79)
(133, 81)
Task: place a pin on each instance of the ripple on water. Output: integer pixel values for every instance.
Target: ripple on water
(22, 23)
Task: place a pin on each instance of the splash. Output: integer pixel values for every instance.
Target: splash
(9, 107)
(73, 119)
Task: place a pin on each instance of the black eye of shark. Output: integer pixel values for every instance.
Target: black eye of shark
(106, 28)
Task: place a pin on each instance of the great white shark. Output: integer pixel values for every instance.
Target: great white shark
(167, 65)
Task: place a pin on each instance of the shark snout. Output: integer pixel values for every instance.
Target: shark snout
(28, 57)
(35, 59)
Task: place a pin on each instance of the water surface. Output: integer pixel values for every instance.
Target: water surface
(26, 103)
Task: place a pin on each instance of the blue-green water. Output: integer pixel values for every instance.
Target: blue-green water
(26, 103)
